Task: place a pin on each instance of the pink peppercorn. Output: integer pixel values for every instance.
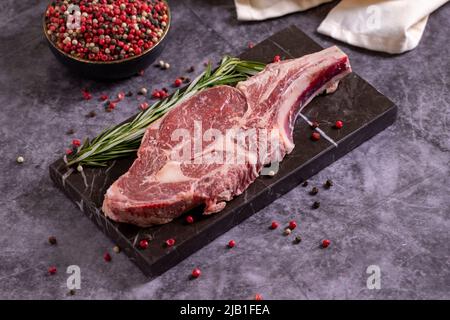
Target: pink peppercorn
(156, 94)
(231, 244)
(274, 225)
(143, 106)
(170, 242)
(76, 142)
(52, 270)
(143, 244)
(292, 225)
(178, 82)
(326, 243)
(315, 136)
(120, 95)
(107, 257)
(196, 273)
(277, 58)
(189, 219)
(339, 124)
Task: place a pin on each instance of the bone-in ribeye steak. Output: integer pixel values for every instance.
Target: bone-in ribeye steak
(177, 170)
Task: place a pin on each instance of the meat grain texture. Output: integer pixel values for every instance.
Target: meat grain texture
(212, 146)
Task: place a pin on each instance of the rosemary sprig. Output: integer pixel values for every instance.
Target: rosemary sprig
(124, 139)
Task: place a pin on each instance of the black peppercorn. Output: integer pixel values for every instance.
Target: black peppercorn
(191, 69)
(128, 94)
(314, 191)
(314, 124)
(91, 114)
(297, 239)
(52, 240)
(316, 205)
(305, 184)
(328, 184)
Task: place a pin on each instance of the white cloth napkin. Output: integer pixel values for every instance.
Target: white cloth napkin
(392, 26)
(265, 9)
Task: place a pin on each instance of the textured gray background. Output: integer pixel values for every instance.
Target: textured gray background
(390, 205)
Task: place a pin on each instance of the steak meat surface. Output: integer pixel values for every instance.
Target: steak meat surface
(211, 147)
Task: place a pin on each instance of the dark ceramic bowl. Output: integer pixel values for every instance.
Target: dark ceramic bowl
(110, 70)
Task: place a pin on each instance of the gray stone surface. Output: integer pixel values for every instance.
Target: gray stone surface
(390, 205)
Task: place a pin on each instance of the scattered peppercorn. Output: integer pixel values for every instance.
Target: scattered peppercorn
(166, 65)
(156, 94)
(72, 292)
(277, 58)
(128, 94)
(143, 106)
(305, 184)
(328, 184)
(141, 73)
(314, 191)
(143, 91)
(274, 225)
(326, 243)
(314, 124)
(170, 242)
(258, 297)
(177, 82)
(292, 225)
(339, 124)
(107, 257)
(186, 80)
(121, 96)
(190, 69)
(80, 168)
(297, 239)
(111, 106)
(161, 64)
(189, 219)
(76, 142)
(287, 231)
(20, 159)
(70, 131)
(196, 273)
(116, 249)
(52, 240)
(86, 95)
(315, 136)
(52, 270)
(91, 114)
(250, 45)
(143, 244)
(103, 97)
(231, 244)
(316, 205)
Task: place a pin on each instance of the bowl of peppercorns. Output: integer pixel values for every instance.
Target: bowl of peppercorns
(106, 39)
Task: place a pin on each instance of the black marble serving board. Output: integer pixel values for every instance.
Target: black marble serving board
(363, 109)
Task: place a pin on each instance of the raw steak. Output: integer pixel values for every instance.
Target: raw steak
(211, 147)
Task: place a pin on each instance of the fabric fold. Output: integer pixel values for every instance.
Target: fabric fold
(248, 10)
